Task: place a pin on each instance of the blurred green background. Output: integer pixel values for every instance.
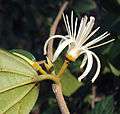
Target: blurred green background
(25, 24)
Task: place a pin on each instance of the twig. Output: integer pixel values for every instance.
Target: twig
(93, 96)
(57, 88)
(60, 99)
(63, 68)
(53, 29)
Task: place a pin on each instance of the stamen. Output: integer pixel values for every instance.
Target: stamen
(75, 27)
(89, 27)
(72, 23)
(65, 23)
(101, 37)
(68, 26)
(81, 28)
(97, 39)
(92, 33)
(86, 31)
(92, 18)
(101, 44)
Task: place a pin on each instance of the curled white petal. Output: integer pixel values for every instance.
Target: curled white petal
(52, 37)
(61, 47)
(98, 67)
(62, 40)
(71, 45)
(83, 62)
(89, 64)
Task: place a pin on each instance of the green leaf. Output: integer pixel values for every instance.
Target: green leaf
(108, 6)
(18, 85)
(114, 70)
(52, 107)
(84, 5)
(104, 107)
(111, 22)
(69, 83)
(112, 53)
(24, 53)
(118, 2)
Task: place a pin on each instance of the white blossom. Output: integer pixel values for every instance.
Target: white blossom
(77, 42)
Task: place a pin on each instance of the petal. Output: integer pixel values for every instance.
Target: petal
(62, 40)
(61, 47)
(98, 67)
(89, 64)
(83, 62)
(52, 37)
(72, 45)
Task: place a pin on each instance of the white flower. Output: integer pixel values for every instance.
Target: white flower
(76, 40)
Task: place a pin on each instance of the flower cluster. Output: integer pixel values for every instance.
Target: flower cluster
(77, 42)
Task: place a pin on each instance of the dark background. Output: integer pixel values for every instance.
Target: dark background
(25, 24)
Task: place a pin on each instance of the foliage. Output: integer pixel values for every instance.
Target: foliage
(69, 83)
(18, 89)
(25, 24)
(104, 107)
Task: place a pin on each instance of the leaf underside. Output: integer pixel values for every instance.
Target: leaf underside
(24, 53)
(18, 85)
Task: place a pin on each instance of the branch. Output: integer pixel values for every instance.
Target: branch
(54, 28)
(60, 99)
(93, 96)
(57, 88)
